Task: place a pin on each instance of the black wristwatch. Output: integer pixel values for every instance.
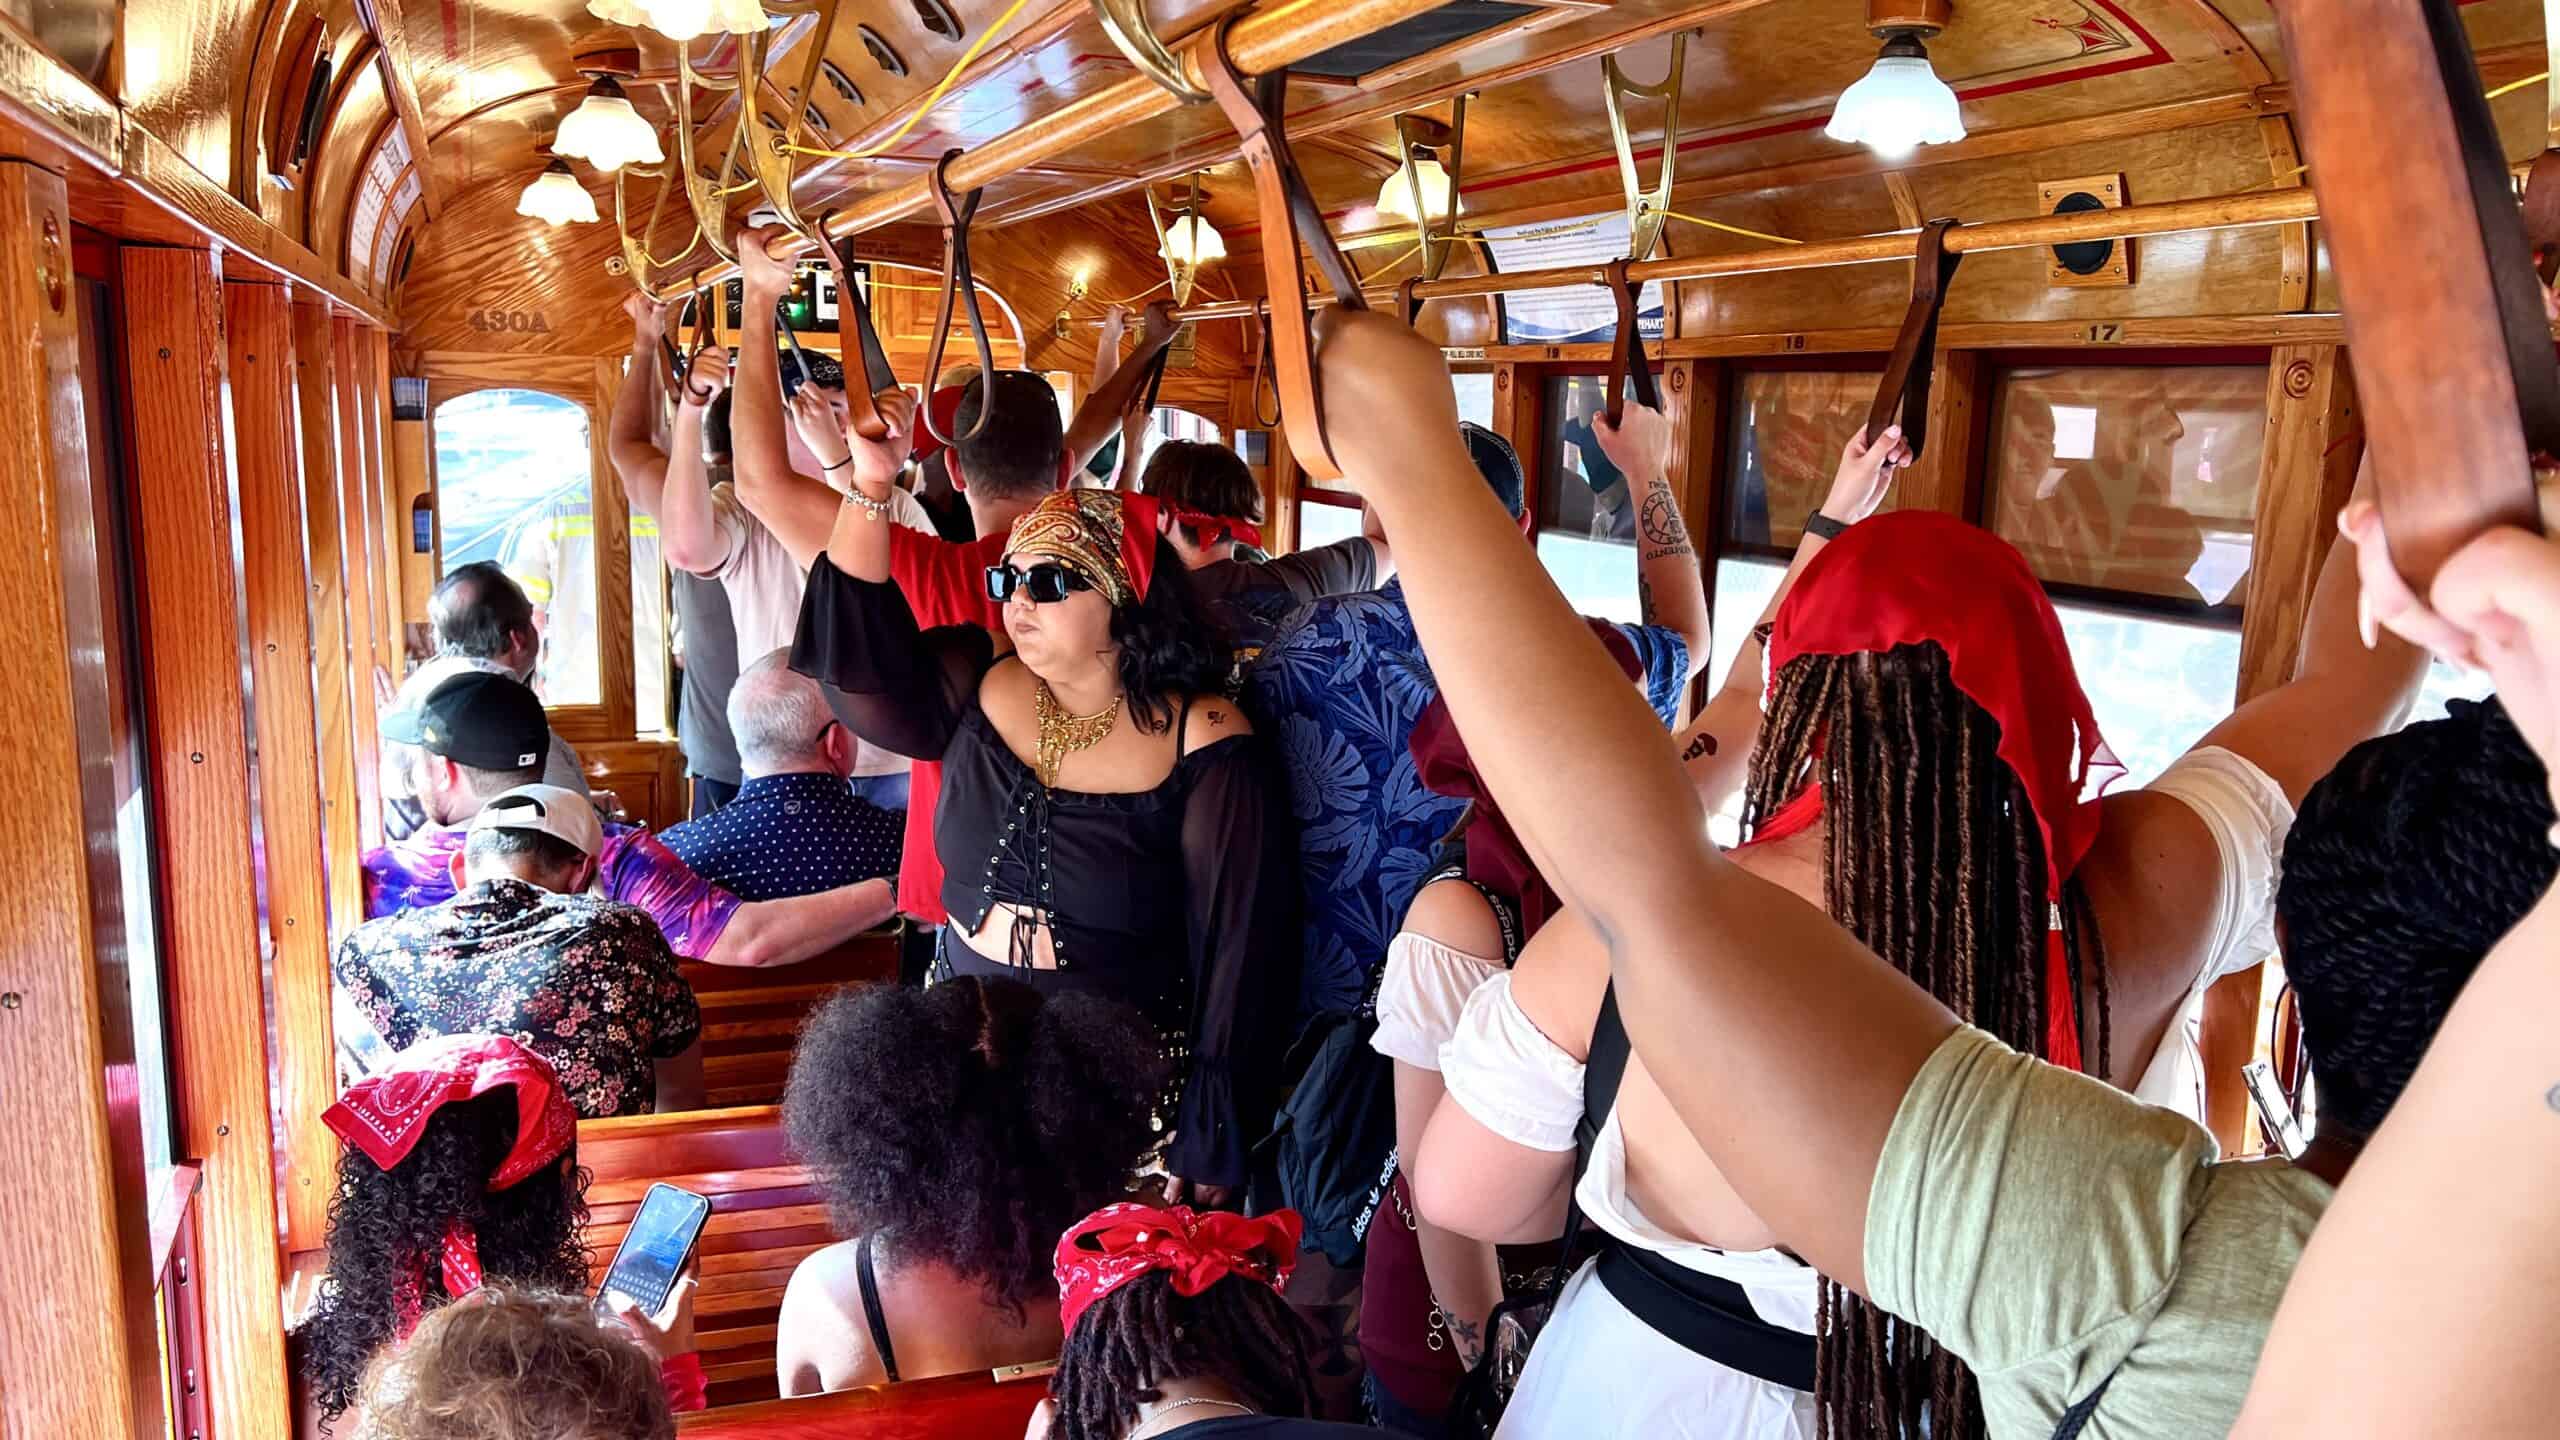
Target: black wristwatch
(1823, 525)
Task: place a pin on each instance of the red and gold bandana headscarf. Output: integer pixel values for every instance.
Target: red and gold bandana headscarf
(1103, 535)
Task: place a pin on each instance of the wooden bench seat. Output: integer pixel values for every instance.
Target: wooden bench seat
(766, 1216)
(751, 1019)
(955, 1407)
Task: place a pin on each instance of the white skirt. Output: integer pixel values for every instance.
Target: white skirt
(1598, 1372)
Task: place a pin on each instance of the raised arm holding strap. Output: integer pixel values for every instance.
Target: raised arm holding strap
(1626, 351)
(866, 364)
(1290, 217)
(2454, 364)
(958, 281)
(1904, 391)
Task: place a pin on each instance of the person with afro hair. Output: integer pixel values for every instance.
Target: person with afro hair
(954, 1132)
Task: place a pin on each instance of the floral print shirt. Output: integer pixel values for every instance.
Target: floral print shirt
(1339, 688)
(586, 983)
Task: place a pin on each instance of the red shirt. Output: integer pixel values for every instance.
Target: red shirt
(945, 584)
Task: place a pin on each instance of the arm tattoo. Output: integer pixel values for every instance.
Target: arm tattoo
(1644, 600)
(1664, 532)
(1703, 744)
(1468, 1336)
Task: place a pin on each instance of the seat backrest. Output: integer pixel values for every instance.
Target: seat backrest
(752, 1018)
(766, 1215)
(981, 1406)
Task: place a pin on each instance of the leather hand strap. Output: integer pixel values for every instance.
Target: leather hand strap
(1626, 352)
(1408, 302)
(958, 280)
(866, 363)
(1290, 218)
(1904, 391)
(1262, 368)
(2453, 352)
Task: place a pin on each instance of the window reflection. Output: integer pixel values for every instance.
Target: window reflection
(2132, 478)
(1322, 524)
(1788, 431)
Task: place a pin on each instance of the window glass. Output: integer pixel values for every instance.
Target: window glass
(2132, 478)
(1475, 397)
(1586, 513)
(1321, 524)
(2449, 682)
(1789, 427)
(514, 484)
(1743, 587)
(2156, 685)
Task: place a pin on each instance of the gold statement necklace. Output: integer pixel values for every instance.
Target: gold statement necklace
(1062, 734)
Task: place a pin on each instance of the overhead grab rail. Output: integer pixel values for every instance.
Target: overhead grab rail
(1125, 21)
(1904, 391)
(1646, 212)
(958, 280)
(1291, 218)
(2218, 212)
(2453, 349)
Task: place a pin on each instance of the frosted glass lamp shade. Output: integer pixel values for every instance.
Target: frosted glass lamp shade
(1899, 105)
(606, 132)
(1191, 242)
(556, 198)
(1395, 198)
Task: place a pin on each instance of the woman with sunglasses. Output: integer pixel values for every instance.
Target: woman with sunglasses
(1107, 823)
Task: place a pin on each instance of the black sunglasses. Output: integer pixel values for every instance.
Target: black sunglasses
(1042, 584)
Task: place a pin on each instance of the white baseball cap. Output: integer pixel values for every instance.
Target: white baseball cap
(563, 814)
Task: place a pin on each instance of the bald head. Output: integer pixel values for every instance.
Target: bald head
(782, 722)
(479, 611)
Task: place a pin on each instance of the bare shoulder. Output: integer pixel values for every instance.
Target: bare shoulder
(1562, 975)
(1006, 686)
(1211, 719)
(1457, 915)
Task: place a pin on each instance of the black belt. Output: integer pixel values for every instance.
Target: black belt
(1705, 1315)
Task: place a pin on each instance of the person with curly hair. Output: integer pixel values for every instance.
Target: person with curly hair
(953, 1131)
(460, 1165)
(1145, 859)
(521, 1364)
(1175, 1327)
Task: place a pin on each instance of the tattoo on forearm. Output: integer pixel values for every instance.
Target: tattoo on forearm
(1664, 532)
(1702, 744)
(1644, 600)
(1469, 1338)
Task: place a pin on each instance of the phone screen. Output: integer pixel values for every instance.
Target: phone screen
(653, 1252)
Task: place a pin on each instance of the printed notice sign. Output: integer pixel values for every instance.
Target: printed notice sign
(1578, 314)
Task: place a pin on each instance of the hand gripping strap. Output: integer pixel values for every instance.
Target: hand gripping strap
(1626, 351)
(958, 280)
(866, 363)
(1904, 391)
(1290, 218)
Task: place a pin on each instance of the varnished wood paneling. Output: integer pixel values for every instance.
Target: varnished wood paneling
(186, 522)
(371, 652)
(390, 521)
(77, 1346)
(347, 748)
(266, 423)
(1948, 475)
(615, 668)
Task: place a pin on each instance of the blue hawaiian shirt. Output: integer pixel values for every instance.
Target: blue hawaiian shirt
(1340, 687)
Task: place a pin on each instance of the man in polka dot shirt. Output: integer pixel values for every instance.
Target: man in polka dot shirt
(796, 827)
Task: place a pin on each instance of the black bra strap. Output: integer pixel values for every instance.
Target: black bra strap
(2076, 1419)
(872, 1315)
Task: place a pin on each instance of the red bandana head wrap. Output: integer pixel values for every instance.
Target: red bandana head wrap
(1119, 1243)
(1918, 576)
(1212, 529)
(385, 1113)
(1495, 857)
(1103, 535)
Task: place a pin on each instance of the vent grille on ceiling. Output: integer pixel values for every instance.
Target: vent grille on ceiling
(1407, 38)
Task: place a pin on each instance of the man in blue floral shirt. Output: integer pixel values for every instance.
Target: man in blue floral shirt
(1343, 682)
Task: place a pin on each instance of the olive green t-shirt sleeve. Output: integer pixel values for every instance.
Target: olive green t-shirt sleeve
(2029, 1218)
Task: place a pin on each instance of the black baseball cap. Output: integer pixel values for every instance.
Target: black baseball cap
(483, 720)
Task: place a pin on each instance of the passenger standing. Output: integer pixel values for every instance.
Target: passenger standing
(1144, 860)
(707, 636)
(1211, 513)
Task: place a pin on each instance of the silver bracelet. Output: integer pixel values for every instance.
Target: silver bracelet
(876, 509)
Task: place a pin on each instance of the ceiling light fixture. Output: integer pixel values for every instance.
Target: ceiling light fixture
(1191, 242)
(1900, 104)
(1422, 171)
(606, 132)
(556, 198)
